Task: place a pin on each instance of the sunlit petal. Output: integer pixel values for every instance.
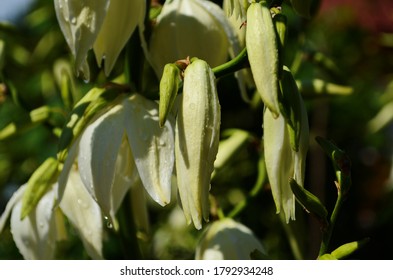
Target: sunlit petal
(84, 214)
(99, 146)
(35, 236)
(151, 146)
(120, 22)
(80, 22)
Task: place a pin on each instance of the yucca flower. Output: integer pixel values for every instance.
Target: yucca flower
(35, 236)
(105, 25)
(122, 145)
(196, 140)
(227, 239)
(195, 28)
(282, 162)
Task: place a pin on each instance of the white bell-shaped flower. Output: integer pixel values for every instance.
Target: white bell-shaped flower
(35, 236)
(282, 162)
(195, 28)
(119, 146)
(227, 240)
(105, 24)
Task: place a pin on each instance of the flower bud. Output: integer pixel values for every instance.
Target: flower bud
(262, 52)
(169, 85)
(227, 240)
(197, 138)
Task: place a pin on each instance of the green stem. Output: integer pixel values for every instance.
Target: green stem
(231, 66)
(262, 176)
(333, 218)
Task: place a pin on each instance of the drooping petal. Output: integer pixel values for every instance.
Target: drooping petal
(80, 22)
(151, 146)
(35, 236)
(98, 149)
(279, 162)
(122, 18)
(126, 175)
(15, 198)
(84, 214)
(197, 138)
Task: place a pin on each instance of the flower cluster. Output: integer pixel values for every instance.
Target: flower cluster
(115, 142)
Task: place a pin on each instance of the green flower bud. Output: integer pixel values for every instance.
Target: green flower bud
(262, 52)
(227, 240)
(41, 180)
(169, 85)
(196, 140)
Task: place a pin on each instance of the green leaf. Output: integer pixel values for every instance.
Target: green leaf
(290, 106)
(40, 182)
(309, 201)
(91, 104)
(345, 250)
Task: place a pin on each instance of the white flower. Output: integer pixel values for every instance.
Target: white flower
(119, 146)
(282, 162)
(105, 24)
(195, 28)
(35, 236)
(197, 138)
(227, 240)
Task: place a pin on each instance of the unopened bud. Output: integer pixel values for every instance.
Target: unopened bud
(197, 138)
(169, 85)
(262, 51)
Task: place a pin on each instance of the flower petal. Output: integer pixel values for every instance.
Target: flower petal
(84, 214)
(35, 236)
(120, 22)
(80, 22)
(15, 198)
(99, 146)
(126, 175)
(188, 28)
(227, 240)
(279, 162)
(151, 146)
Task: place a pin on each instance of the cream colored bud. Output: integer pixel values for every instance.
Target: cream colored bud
(262, 52)
(196, 140)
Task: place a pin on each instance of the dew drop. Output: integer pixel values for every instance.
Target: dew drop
(108, 222)
(73, 20)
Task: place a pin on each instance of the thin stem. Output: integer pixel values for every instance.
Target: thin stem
(333, 218)
(231, 66)
(262, 177)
